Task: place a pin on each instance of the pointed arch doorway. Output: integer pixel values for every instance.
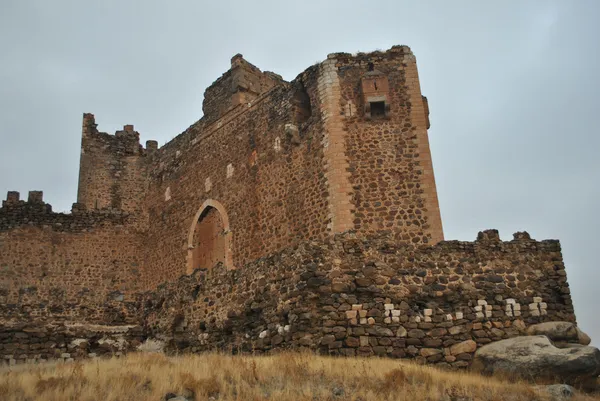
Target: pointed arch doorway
(209, 238)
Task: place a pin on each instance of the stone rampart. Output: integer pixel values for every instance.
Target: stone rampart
(374, 296)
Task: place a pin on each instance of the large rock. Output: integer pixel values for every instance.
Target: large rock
(557, 392)
(463, 347)
(562, 332)
(535, 357)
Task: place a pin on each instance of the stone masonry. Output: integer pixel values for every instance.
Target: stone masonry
(292, 214)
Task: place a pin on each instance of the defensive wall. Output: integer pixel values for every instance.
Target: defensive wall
(342, 296)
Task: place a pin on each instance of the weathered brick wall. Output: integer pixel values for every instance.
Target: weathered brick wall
(342, 296)
(112, 171)
(239, 85)
(372, 296)
(388, 158)
(262, 163)
(298, 161)
(58, 265)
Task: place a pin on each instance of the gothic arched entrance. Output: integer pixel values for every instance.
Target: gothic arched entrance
(209, 238)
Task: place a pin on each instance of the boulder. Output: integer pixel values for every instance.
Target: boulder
(583, 338)
(557, 392)
(463, 347)
(535, 357)
(561, 332)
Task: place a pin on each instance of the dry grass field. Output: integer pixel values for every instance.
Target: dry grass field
(281, 377)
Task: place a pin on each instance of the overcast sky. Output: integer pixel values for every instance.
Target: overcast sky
(513, 89)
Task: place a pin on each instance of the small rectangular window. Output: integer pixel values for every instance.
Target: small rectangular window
(377, 109)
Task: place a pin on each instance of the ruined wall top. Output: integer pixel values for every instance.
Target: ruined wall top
(241, 84)
(35, 212)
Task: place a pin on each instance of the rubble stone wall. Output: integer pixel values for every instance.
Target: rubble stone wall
(64, 264)
(347, 295)
(259, 163)
(373, 296)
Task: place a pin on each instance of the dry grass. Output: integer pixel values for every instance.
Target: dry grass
(282, 377)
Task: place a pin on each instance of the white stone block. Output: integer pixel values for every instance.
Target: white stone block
(371, 320)
(388, 306)
(459, 315)
(362, 313)
(478, 308)
(533, 306)
(417, 319)
(286, 328)
(488, 307)
(427, 319)
(363, 320)
(544, 312)
(510, 301)
(387, 320)
(535, 312)
(479, 315)
(449, 317)
(509, 313)
(488, 313)
(517, 307)
(395, 319)
(517, 313)
(263, 334)
(355, 306)
(428, 312)
(396, 312)
(537, 300)
(543, 305)
(508, 308)
(481, 302)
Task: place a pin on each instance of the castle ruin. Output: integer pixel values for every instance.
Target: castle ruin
(292, 214)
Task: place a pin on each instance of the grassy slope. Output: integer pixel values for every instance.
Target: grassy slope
(282, 377)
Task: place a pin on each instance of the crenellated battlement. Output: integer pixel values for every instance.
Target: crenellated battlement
(122, 142)
(35, 212)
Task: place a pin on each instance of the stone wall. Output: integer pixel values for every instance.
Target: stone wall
(373, 296)
(388, 156)
(64, 264)
(345, 295)
(27, 343)
(112, 171)
(280, 162)
(261, 163)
